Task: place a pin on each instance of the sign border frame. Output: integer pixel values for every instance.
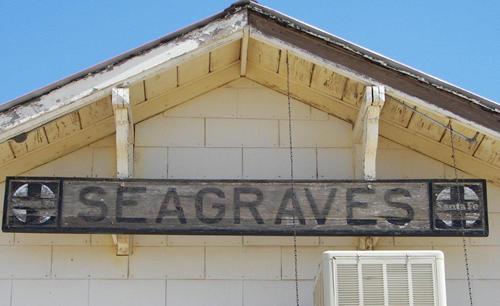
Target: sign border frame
(232, 232)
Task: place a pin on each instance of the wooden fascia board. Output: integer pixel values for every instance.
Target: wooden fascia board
(403, 136)
(106, 127)
(244, 51)
(25, 117)
(359, 69)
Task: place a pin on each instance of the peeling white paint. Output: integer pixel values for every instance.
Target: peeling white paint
(81, 92)
(93, 87)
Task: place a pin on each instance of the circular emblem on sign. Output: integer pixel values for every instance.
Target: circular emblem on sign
(34, 203)
(457, 207)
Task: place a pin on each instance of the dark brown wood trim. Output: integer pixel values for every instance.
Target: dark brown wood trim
(393, 78)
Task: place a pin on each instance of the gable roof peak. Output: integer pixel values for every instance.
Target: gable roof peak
(268, 22)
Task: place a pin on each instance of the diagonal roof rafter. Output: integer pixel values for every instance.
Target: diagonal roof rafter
(419, 106)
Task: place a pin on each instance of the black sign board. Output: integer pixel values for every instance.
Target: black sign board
(140, 206)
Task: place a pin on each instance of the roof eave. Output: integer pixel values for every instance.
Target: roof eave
(116, 60)
(373, 56)
(490, 107)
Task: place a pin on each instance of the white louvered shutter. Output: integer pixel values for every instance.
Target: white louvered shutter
(348, 284)
(385, 281)
(397, 284)
(423, 284)
(372, 276)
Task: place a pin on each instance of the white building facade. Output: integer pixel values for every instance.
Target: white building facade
(208, 116)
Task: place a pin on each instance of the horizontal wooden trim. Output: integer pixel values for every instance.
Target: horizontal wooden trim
(392, 78)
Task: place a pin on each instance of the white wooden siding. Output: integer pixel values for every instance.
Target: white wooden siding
(237, 131)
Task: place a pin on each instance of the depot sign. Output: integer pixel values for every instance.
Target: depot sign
(402, 207)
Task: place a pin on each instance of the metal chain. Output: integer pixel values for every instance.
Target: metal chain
(292, 185)
(413, 109)
(466, 253)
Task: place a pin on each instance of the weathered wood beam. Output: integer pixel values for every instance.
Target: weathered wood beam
(365, 140)
(95, 130)
(58, 149)
(124, 132)
(95, 86)
(244, 52)
(366, 130)
(308, 95)
(364, 79)
(440, 152)
(387, 128)
(124, 124)
(185, 92)
(367, 243)
(122, 244)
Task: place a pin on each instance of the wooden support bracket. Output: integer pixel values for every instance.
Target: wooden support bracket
(365, 133)
(122, 244)
(365, 139)
(367, 243)
(244, 51)
(124, 132)
(124, 151)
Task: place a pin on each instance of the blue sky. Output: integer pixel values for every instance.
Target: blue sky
(43, 41)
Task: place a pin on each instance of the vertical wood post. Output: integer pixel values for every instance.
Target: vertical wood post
(244, 51)
(124, 151)
(365, 139)
(124, 133)
(365, 132)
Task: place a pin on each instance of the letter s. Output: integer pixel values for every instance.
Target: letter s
(103, 209)
(409, 210)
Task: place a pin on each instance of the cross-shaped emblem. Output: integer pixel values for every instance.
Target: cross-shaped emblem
(34, 203)
(456, 207)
